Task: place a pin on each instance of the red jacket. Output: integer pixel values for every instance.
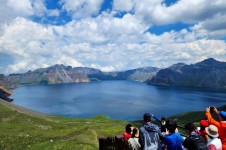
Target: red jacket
(221, 128)
(126, 135)
(203, 134)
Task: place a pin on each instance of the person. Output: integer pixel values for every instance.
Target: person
(193, 141)
(150, 134)
(162, 122)
(214, 143)
(163, 125)
(134, 140)
(172, 140)
(221, 125)
(202, 132)
(127, 134)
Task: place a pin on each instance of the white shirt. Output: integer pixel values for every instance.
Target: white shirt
(216, 142)
(134, 144)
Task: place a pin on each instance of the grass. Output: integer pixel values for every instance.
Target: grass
(20, 131)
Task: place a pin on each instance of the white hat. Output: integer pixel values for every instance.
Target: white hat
(212, 130)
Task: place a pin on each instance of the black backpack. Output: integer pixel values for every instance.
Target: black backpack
(198, 143)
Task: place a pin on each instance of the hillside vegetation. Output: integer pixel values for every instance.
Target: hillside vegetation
(21, 129)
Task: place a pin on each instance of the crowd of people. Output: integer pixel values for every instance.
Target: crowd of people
(210, 135)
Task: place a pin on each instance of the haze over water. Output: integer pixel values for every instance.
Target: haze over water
(127, 100)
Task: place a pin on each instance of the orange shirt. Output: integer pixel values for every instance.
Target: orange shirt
(221, 128)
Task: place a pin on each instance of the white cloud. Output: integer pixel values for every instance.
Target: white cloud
(81, 8)
(125, 5)
(204, 14)
(23, 7)
(53, 12)
(110, 43)
(11, 9)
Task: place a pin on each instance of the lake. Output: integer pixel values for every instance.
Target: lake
(127, 100)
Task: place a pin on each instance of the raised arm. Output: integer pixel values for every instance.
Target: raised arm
(210, 118)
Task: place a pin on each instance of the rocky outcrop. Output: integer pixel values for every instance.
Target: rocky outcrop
(4, 94)
(209, 73)
(6, 82)
(54, 75)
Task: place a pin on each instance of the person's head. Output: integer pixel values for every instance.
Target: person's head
(163, 119)
(128, 128)
(171, 125)
(189, 127)
(135, 132)
(203, 124)
(212, 131)
(222, 115)
(147, 117)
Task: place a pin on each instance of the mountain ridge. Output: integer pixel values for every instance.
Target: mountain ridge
(58, 74)
(208, 73)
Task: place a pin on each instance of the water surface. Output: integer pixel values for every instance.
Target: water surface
(127, 100)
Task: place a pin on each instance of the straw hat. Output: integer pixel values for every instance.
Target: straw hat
(212, 131)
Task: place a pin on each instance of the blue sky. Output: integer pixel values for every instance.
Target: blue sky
(110, 35)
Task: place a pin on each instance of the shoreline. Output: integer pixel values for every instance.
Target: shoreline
(23, 110)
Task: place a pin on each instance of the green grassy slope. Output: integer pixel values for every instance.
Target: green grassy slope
(20, 131)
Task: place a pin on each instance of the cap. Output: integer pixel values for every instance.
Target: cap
(147, 116)
(223, 114)
(204, 123)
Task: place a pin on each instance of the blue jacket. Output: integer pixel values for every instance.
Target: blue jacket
(173, 141)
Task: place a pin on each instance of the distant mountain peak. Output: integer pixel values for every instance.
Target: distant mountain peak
(209, 61)
(177, 66)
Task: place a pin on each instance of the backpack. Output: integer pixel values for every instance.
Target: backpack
(151, 140)
(198, 143)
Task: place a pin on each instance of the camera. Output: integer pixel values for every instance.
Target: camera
(212, 109)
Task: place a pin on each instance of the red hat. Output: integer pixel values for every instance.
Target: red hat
(204, 123)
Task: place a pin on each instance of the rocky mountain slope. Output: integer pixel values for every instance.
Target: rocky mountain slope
(66, 74)
(209, 73)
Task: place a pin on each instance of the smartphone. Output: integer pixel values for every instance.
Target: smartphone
(212, 109)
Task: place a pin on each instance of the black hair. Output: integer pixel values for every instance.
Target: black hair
(128, 128)
(190, 127)
(163, 118)
(171, 125)
(135, 130)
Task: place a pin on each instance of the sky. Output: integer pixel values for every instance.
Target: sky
(110, 35)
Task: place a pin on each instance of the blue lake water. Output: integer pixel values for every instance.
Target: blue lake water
(127, 100)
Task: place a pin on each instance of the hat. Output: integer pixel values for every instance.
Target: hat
(147, 116)
(204, 123)
(212, 131)
(223, 114)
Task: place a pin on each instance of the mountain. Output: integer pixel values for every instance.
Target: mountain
(6, 82)
(66, 74)
(139, 74)
(54, 75)
(208, 73)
